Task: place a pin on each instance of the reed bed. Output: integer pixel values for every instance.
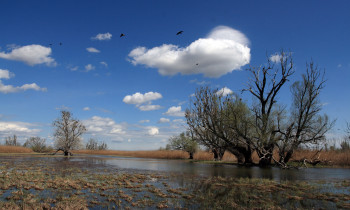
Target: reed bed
(14, 149)
(160, 154)
(338, 158)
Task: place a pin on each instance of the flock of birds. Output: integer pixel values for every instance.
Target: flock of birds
(178, 33)
(122, 35)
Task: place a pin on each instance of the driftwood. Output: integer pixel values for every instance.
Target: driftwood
(66, 153)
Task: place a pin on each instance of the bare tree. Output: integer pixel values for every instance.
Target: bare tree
(305, 125)
(264, 85)
(183, 142)
(93, 144)
(67, 133)
(37, 144)
(210, 122)
(12, 141)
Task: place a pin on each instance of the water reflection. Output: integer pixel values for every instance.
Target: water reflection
(183, 167)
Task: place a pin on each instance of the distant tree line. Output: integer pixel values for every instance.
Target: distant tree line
(67, 137)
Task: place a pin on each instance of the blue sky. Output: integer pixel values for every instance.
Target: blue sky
(131, 91)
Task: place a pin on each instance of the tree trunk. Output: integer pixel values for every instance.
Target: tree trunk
(288, 155)
(216, 155)
(66, 153)
(191, 155)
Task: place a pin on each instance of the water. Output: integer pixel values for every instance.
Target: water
(183, 167)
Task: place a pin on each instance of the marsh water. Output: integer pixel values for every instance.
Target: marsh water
(184, 167)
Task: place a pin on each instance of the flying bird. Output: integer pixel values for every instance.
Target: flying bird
(180, 32)
(60, 43)
(121, 35)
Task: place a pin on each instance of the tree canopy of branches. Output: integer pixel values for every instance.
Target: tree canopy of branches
(183, 142)
(37, 144)
(93, 144)
(305, 125)
(12, 141)
(212, 119)
(68, 133)
(226, 123)
(264, 85)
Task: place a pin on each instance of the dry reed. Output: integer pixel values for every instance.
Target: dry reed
(14, 149)
(338, 158)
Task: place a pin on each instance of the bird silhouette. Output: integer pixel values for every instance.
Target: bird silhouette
(121, 35)
(180, 32)
(60, 43)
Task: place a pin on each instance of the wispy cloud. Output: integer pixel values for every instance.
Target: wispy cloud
(104, 63)
(163, 120)
(92, 50)
(6, 74)
(89, 67)
(106, 36)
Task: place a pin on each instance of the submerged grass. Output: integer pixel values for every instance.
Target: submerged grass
(42, 185)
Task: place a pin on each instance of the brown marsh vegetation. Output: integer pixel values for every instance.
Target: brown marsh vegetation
(328, 158)
(14, 149)
(46, 184)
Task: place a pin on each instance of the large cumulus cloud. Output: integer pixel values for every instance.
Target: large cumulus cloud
(222, 51)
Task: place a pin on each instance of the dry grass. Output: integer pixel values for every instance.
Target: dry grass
(14, 149)
(339, 158)
(161, 154)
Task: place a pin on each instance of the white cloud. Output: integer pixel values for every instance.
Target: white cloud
(86, 108)
(104, 63)
(276, 58)
(175, 111)
(144, 121)
(153, 131)
(89, 67)
(103, 126)
(149, 107)
(224, 91)
(74, 68)
(199, 82)
(163, 120)
(139, 98)
(106, 36)
(17, 128)
(5, 74)
(92, 50)
(31, 55)
(339, 66)
(222, 51)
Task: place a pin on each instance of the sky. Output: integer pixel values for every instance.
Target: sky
(131, 91)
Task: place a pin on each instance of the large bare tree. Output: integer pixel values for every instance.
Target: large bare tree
(264, 85)
(210, 122)
(68, 133)
(305, 125)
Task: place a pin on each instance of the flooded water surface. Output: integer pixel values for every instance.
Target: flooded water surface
(105, 182)
(185, 167)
